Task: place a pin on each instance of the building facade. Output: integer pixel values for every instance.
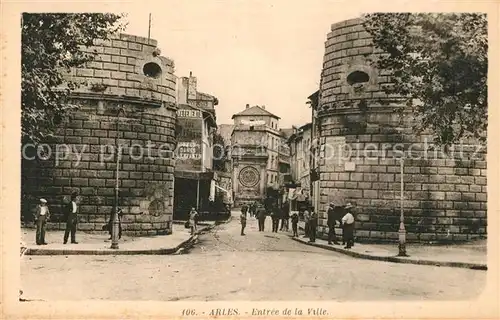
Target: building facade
(255, 144)
(300, 157)
(124, 128)
(194, 175)
(360, 141)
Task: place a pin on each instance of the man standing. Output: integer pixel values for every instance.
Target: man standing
(275, 217)
(285, 216)
(109, 226)
(71, 219)
(313, 223)
(42, 215)
(243, 219)
(348, 227)
(261, 216)
(332, 219)
(295, 221)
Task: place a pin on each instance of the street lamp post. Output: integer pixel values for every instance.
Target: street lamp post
(402, 230)
(115, 228)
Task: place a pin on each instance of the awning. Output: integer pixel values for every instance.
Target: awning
(194, 175)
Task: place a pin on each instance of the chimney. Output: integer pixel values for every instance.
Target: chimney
(247, 106)
(192, 87)
(263, 107)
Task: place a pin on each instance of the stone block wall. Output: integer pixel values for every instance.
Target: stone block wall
(82, 152)
(362, 139)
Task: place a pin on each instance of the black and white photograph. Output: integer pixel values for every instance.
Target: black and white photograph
(253, 152)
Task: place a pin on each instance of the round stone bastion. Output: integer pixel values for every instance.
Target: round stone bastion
(127, 99)
(444, 193)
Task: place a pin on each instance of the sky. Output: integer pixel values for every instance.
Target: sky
(245, 52)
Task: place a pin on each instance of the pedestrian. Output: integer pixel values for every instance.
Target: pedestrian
(110, 224)
(307, 216)
(193, 220)
(243, 219)
(333, 217)
(285, 216)
(252, 209)
(42, 215)
(275, 215)
(313, 223)
(348, 227)
(295, 222)
(261, 216)
(71, 213)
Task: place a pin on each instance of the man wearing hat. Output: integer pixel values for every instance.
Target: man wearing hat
(71, 219)
(313, 224)
(42, 215)
(348, 227)
(261, 216)
(334, 215)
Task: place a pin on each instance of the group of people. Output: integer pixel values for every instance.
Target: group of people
(277, 214)
(341, 214)
(42, 216)
(71, 209)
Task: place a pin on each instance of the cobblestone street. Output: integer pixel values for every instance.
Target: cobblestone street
(226, 266)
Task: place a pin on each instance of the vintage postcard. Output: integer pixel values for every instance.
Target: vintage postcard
(249, 159)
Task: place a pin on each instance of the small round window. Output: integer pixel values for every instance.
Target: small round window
(357, 77)
(152, 70)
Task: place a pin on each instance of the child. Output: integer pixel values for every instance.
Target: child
(193, 220)
(348, 227)
(295, 221)
(307, 216)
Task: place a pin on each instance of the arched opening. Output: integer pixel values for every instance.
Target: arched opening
(152, 70)
(356, 77)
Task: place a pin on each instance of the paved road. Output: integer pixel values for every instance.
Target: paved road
(258, 266)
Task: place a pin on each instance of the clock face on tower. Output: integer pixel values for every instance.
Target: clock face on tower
(249, 177)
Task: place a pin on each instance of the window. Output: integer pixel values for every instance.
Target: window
(357, 77)
(152, 70)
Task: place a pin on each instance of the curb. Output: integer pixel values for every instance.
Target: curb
(396, 259)
(163, 251)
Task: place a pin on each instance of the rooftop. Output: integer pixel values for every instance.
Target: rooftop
(255, 111)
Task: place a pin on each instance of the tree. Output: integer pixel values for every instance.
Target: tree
(51, 46)
(439, 65)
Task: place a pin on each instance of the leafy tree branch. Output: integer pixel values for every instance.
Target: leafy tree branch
(439, 63)
(52, 44)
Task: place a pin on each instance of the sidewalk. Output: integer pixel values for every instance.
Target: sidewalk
(98, 243)
(468, 255)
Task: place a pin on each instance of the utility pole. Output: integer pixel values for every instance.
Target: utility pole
(115, 228)
(149, 27)
(402, 230)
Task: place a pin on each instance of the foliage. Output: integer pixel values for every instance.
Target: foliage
(439, 64)
(51, 46)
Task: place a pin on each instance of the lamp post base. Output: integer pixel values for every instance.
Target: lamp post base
(402, 241)
(114, 232)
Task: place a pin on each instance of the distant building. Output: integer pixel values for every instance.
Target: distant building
(284, 158)
(255, 141)
(226, 130)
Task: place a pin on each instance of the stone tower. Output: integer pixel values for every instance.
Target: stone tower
(127, 99)
(361, 139)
